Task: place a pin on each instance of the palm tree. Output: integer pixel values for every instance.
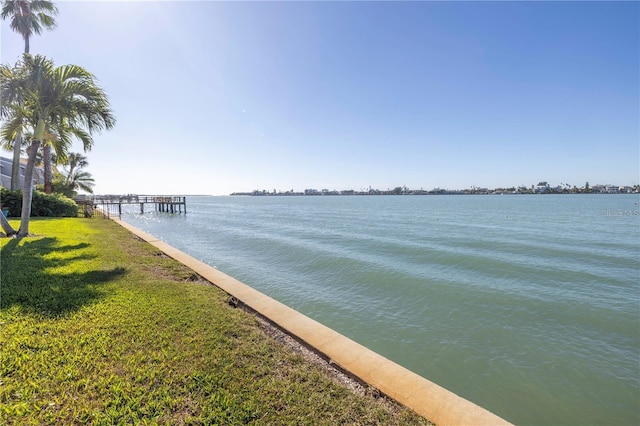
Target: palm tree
(66, 99)
(74, 177)
(80, 180)
(75, 161)
(27, 18)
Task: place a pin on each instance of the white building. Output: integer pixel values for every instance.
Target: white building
(5, 173)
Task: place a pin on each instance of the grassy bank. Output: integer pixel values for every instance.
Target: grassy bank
(100, 327)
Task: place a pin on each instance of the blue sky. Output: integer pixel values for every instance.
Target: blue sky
(216, 97)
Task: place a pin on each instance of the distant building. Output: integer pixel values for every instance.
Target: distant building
(5, 173)
(541, 189)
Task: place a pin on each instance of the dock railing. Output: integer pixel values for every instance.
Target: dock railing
(111, 205)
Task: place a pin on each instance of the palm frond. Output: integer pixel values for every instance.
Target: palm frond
(10, 129)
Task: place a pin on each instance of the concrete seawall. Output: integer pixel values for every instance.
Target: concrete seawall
(407, 388)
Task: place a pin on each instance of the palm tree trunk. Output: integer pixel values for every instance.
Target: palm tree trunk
(15, 164)
(48, 172)
(17, 144)
(67, 179)
(27, 188)
(6, 227)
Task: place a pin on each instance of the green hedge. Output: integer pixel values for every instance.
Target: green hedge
(52, 205)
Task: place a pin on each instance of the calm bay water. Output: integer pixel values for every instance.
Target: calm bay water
(526, 305)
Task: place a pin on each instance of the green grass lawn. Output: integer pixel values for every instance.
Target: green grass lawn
(99, 327)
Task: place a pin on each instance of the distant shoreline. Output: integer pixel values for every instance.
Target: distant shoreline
(597, 189)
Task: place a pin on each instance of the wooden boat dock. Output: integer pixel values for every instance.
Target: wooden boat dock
(109, 205)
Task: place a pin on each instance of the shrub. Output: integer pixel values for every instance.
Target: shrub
(53, 205)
